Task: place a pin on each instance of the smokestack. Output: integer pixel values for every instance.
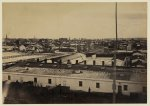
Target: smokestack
(60, 61)
(76, 61)
(112, 63)
(103, 63)
(37, 59)
(68, 62)
(84, 62)
(45, 60)
(94, 62)
(53, 61)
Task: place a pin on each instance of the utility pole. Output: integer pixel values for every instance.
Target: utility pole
(115, 52)
(6, 40)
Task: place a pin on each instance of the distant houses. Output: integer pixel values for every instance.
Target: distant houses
(34, 48)
(22, 48)
(81, 45)
(138, 59)
(100, 47)
(8, 48)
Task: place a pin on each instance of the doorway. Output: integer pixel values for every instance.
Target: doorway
(119, 89)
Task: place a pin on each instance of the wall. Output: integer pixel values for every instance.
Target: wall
(73, 82)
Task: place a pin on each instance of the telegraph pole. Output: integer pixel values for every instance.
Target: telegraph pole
(115, 51)
(6, 40)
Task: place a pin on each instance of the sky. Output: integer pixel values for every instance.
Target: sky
(74, 20)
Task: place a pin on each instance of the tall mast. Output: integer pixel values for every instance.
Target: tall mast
(6, 40)
(115, 51)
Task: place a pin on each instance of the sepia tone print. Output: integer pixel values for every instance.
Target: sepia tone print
(74, 53)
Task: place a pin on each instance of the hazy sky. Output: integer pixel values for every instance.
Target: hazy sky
(74, 20)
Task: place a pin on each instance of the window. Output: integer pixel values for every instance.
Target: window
(9, 78)
(80, 83)
(97, 85)
(125, 87)
(35, 80)
(49, 81)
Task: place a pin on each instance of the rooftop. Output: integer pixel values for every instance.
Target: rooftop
(128, 76)
(17, 56)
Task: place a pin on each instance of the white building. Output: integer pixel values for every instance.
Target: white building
(96, 81)
(73, 58)
(22, 48)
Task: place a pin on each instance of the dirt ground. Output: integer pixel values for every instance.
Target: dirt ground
(27, 93)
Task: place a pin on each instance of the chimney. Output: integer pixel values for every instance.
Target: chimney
(84, 62)
(37, 59)
(45, 60)
(103, 63)
(76, 61)
(112, 63)
(60, 61)
(52, 61)
(68, 62)
(94, 62)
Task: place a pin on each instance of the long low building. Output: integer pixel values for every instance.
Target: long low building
(96, 81)
(9, 57)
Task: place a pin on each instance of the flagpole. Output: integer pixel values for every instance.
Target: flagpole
(115, 51)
